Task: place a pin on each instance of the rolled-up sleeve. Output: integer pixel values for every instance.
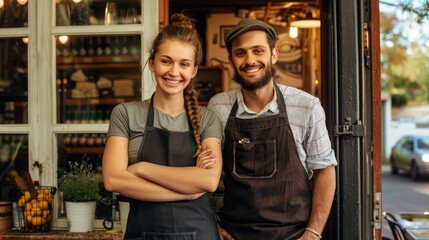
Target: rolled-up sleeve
(319, 152)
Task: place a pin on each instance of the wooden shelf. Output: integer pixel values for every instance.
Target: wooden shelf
(98, 59)
(128, 61)
(98, 101)
(82, 150)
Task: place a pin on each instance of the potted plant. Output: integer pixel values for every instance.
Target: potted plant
(80, 189)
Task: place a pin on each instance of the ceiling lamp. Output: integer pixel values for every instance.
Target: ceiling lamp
(293, 32)
(307, 22)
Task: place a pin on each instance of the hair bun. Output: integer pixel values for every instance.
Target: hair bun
(181, 20)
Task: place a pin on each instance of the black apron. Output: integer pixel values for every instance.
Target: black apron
(179, 220)
(267, 191)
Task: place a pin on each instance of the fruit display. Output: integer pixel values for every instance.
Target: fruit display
(37, 212)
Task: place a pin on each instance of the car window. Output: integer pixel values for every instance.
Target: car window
(423, 143)
(407, 144)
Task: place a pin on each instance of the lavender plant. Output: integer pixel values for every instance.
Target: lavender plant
(80, 183)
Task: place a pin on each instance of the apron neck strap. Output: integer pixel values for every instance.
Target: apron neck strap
(150, 115)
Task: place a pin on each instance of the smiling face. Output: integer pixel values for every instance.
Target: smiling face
(173, 67)
(252, 59)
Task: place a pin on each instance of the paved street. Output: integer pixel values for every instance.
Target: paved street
(401, 194)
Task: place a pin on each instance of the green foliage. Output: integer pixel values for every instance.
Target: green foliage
(419, 8)
(404, 60)
(80, 184)
(399, 100)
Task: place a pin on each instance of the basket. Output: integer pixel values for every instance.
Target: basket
(35, 214)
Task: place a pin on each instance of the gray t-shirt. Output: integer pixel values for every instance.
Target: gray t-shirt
(129, 120)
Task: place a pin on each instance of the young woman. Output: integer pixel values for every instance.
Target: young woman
(165, 153)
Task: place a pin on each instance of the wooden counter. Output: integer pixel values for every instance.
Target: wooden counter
(62, 235)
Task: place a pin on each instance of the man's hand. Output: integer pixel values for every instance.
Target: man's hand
(224, 235)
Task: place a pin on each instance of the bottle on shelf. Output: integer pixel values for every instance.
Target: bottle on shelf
(91, 140)
(99, 116)
(124, 49)
(116, 49)
(107, 48)
(74, 47)
(83, 140)
(91, 50)
(65, 51)
(77, 116)
(82, 48)
(74, 140)
(69, 117)
(67, 140)
(91, 117)
(100, 51)
(98, 139)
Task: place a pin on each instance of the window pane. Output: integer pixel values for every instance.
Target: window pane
(13, 160)
(83, 12)
(94, 74)
(13, 81)
(13, 13)
(78, 147)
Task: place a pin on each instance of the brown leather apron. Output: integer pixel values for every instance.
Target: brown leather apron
(179, 220)
(267, 190)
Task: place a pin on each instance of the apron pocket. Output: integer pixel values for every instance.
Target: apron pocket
(255, 159)
(169, 236)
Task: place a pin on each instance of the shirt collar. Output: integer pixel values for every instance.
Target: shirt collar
(270, 108)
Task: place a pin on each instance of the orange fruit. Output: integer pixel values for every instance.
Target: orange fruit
(37, 211)
(29, 219)
(40, 196)
(27, 195)
(36, 221)
(28, 206)
(43, 204)
(45, 213)
(21, 201)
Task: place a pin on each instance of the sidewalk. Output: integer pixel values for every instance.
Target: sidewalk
(385, 168)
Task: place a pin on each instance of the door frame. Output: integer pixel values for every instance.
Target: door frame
(351, 96)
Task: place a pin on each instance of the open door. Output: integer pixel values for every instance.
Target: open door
(352, 99)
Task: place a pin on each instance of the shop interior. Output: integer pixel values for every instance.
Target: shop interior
(93, 70)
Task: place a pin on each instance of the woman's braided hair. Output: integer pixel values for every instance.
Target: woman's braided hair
(182, 28)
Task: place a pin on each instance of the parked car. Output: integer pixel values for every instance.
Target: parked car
(411, 154)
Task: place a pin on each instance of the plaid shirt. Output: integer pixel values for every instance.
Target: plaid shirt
(306, 118)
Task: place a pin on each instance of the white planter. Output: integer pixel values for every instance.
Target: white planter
(80, 216)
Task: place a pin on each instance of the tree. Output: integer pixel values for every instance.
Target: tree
(404, 60)
(419, 8)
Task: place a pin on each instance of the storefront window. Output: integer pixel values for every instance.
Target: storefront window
(13, 13)
(94, 74)
(13, 160)
(84, 12)
(13, 81)
(75, 148)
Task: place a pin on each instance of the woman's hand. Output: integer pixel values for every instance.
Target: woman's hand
(206, 158)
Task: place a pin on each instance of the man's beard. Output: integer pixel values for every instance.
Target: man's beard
(250, 86)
